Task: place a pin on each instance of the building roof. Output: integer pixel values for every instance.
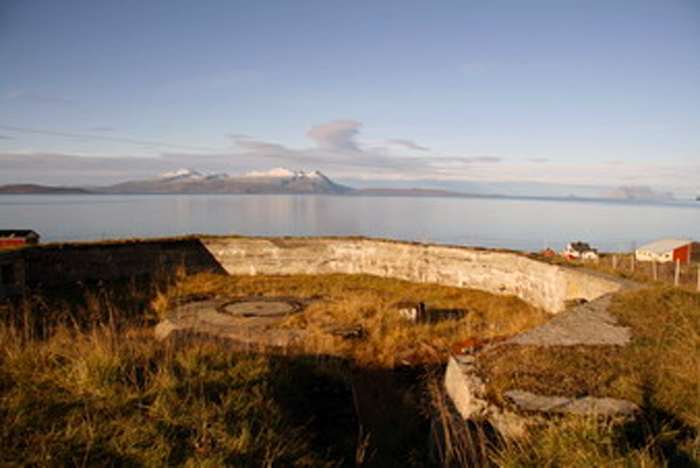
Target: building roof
(665, 245)
(581, 247)
(17, 233)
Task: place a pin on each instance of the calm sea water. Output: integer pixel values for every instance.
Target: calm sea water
(513, 223)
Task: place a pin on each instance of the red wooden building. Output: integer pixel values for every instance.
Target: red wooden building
(667, 250)
(17, 238)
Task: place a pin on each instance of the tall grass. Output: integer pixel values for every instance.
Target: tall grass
(666, 348)
(576, 441)
(659, 371)
(454, 441)
(98, 398)
(84, 383)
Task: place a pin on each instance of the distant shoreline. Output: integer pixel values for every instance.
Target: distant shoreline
(285, 182)
(33, 189)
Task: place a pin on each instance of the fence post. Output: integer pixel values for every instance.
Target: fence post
(677, 274)
(698, 277)
(614, 262)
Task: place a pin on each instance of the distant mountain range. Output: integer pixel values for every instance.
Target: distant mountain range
(278, 181)
(27, 189)
(639, 192)
(190, 181)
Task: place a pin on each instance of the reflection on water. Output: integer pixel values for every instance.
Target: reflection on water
(521, 224)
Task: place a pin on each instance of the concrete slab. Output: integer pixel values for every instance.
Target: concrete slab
(588, 324)
(529, 401)
(248, 321)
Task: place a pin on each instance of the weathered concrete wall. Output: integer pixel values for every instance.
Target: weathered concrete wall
(541, 284)
(54, 265)
(544, 285)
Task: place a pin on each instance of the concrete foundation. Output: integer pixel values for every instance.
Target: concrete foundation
(547, 286)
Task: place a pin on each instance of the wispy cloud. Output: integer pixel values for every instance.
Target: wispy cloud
(31, 96)
(458, 164)
(338, 135)
(662, 176)
(57, 168)
(265, 149)
(238, 136)
(115, 139)
(336, 148)
(408, 144)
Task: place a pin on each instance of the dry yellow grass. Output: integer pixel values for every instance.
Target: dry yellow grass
(89, 386)
(659, 371)
(661, 368)
(370, 303)
(666, 347)
(101, 398)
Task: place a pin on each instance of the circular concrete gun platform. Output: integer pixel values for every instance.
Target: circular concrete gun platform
(248, 321)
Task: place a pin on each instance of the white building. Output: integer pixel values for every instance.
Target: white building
(665, 250)
(580, 250)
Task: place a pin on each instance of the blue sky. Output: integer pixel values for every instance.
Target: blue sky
(583, 93)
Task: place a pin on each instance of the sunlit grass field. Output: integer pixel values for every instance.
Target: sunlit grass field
(370, 303)
(659, 371)
(83, 381)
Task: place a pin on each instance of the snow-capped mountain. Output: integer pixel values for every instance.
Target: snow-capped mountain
(180, 175)
(279, 172)
(187, 175)
(282, 173)
(274, 181)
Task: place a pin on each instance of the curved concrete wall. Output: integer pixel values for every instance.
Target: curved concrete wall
(546, 286)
